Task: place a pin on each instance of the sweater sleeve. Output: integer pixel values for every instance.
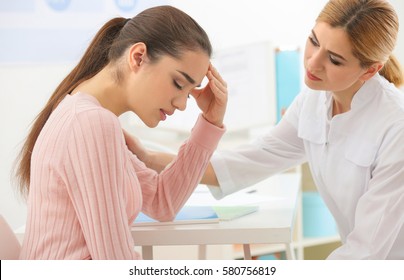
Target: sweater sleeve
(164, 194)
(96, 188)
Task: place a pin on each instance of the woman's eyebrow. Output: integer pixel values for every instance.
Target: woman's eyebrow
(314, 35)
(331, 52)
(189, 79)
(337, 55)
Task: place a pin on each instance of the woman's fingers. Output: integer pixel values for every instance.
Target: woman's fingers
(217, 75)
(218, 85)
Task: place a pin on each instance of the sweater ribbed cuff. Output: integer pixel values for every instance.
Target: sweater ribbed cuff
(206, 134)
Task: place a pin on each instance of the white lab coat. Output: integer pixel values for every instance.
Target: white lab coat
(356, 159)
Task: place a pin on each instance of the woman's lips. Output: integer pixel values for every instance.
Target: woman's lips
(312, 77)
(163, 115)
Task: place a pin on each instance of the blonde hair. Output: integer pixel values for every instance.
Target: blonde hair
(372, 27)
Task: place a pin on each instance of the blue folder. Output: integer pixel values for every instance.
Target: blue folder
(187, 215)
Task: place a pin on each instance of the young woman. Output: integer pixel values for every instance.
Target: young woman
(348, 124)
(84, 186)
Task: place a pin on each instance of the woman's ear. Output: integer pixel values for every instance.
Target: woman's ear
(137, 55)
(371, 71)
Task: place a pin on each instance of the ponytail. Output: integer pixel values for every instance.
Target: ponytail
(94, 60)
(392, 71)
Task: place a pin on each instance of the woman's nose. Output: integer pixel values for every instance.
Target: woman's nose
(315, 62)
(180, 102)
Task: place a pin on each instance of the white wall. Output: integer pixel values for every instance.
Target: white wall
(287, 22)
(24, 89)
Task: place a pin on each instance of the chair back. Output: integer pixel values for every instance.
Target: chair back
(9, 245)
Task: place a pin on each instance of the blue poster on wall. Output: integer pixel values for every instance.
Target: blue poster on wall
(288, 79)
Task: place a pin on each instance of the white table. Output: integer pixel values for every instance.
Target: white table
(272, 223)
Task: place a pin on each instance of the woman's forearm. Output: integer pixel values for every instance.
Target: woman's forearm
(159, 160)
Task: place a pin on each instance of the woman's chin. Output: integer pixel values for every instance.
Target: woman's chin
(151, 125)
(313, 85)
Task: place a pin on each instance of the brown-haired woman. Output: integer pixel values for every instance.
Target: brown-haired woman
(84, 186)
(348, 124)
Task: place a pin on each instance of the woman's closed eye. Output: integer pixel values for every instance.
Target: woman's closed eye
(314, 41)
(331, 57)
(334, 61)
(177, 85)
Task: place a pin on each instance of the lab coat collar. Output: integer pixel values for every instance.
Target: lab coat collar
(313, 122)
(363, 96)
(367, 92)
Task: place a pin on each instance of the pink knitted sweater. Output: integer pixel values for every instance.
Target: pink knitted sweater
(87, 187)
